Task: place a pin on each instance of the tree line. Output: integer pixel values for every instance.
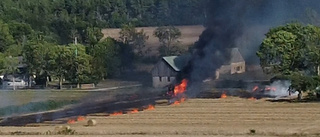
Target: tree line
(63, 40)
(59, 21)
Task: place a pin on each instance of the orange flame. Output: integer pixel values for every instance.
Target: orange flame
(255, 88)
(150, 107)
(116, 113)
(71, 121)
(252, 98)
(181, 88)
(176, 103)
(81, 118)
(134, 111)
(179, 101)
(182, 99)
(223, 95)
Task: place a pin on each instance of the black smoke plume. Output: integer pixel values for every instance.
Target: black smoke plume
(212, 49)
(227, 25)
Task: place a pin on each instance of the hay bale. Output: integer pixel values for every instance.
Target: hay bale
(162, 101)
(58, 128)
(61, 128)
(91, 122)
(66, 127)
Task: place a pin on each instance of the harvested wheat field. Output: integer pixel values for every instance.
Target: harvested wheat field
(230, 116)
(189, 35)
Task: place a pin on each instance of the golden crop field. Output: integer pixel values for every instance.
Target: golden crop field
(231, 116)
(189, 35)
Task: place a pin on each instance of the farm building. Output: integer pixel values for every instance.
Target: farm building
(165, 71)
(235, 65)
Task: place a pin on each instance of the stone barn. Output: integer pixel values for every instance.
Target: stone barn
(236, 64)
(165, 71)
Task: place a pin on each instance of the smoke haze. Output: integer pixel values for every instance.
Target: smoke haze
(281, 89)
(242, 24)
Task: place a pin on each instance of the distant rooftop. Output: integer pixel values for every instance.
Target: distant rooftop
(178, 62)
(236, 56)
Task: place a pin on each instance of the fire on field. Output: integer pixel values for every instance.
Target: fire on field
(133, 103)
(78, 112)
(176, 96)
(119, 106)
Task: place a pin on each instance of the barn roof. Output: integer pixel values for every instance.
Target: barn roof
(177, 62)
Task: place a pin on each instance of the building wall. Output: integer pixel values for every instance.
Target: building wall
(217, 74)
(160, 82)
(224, 69)
(162, 69)
(233, 68)
(239, 67)
(162, 74)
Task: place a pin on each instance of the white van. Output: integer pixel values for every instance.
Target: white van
(17, 83)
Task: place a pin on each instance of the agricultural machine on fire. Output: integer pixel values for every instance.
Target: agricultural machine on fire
(176, 92)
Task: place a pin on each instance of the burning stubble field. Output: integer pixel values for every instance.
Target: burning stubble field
(230, 116)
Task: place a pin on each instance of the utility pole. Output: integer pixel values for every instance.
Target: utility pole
(76, 53)
(75, 40)
(14, 83)
(12, 70)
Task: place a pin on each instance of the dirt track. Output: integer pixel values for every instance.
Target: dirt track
(203, 117)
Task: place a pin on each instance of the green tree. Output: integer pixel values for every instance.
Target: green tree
(163, 12)
(80, 71)
(63, 60)
(168, 37)
(62, 26)
(59, 21)
(285, 47)
(38, 56)
(93, 36)
(292, 50)
(106, 59)
(127, 33)
(136, 39)
(140, 39)
(14, 50)
(9, 67)
(21, 32)
(6, 38)
(274, 51)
